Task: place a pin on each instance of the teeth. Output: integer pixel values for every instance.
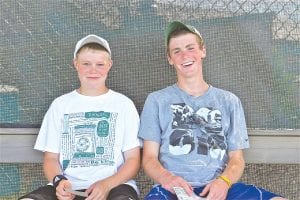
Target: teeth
(187, 63)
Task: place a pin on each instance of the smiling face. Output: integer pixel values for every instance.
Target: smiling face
(92, 66)
(186, 54)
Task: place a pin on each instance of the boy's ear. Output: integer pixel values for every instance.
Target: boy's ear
(169, 59)
(75, 63)
(204, 52)
(110, 64)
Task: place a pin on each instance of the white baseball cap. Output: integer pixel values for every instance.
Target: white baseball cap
(92, 39)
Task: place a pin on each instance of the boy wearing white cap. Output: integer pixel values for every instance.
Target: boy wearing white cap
(194, 133)
(89, 136)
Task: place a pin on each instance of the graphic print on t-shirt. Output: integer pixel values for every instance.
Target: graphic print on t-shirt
(88, 139)
(199, 131)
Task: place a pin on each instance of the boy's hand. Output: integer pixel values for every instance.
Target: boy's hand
(98, 191)
(61, 192)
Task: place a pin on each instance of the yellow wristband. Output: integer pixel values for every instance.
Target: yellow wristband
(224, 178)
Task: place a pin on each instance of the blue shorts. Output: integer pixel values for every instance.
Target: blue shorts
(237, 191)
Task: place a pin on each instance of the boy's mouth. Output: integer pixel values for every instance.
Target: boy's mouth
(186, 64)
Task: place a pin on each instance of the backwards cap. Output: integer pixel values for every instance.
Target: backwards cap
(174, 25)
(92, 39)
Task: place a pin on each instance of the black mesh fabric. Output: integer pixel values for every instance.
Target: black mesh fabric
(18, 179)
(253, 51)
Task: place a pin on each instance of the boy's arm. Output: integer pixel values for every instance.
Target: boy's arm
(51, 169)
(51, 165)
(127, 171)
(219, 187)
(157, 172)
(235, 167)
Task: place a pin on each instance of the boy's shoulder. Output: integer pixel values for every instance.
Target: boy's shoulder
(164, 91)
(68, 95)
(222, 92)
(118, 95)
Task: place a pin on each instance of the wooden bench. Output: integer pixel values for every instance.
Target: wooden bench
(272, 162)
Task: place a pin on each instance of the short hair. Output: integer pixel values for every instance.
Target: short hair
(182, 31)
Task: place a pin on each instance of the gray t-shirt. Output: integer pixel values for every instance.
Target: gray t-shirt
(194, 133)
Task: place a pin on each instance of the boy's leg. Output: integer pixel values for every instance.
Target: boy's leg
(123, 192)
(159, 193)
(245, 191)
(43, 193)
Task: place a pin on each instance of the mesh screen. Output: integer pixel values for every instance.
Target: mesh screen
(253, 50)
(19, 179)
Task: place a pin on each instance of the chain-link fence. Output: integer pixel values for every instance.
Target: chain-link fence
(253, 50)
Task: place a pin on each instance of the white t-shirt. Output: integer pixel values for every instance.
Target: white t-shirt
(90, 134)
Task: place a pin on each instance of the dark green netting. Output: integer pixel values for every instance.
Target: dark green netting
(18, 179)
(253, 50)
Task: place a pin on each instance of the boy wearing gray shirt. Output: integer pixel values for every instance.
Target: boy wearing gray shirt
(193, 133)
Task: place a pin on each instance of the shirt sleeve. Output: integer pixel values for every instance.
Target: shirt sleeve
(237, 135)
(132, 122)
(150, 126)
(49, 135)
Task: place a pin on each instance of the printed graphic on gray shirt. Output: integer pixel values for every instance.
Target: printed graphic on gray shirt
(199, 131)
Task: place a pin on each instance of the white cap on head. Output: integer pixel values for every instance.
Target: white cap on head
(92, 39)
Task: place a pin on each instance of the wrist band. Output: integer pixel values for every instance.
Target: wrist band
(57, 179)
(224, 178)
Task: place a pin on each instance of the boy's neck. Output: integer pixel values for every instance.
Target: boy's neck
(193, 88)
(92, 92)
